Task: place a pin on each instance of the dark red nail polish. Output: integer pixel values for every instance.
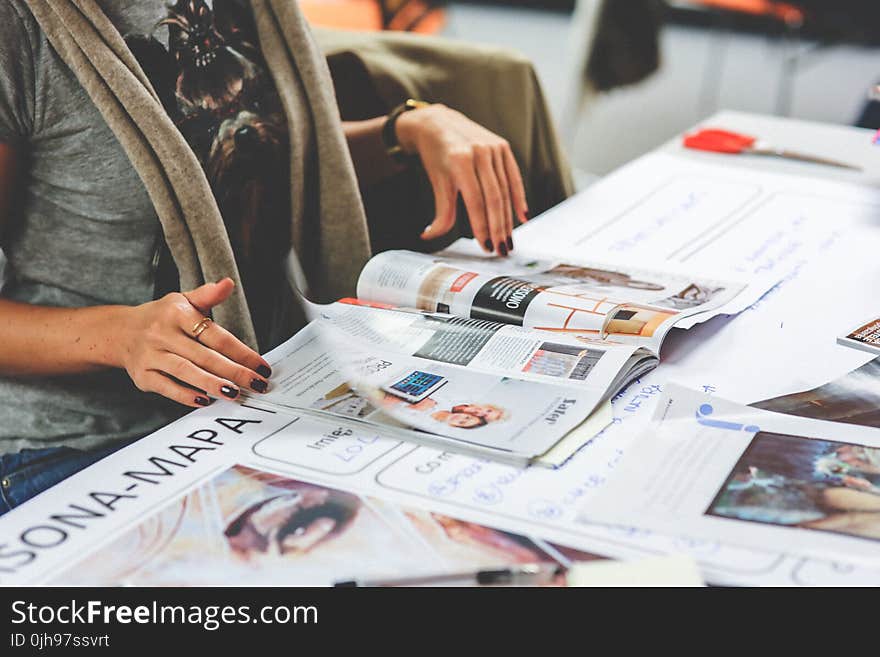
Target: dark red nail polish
(502, 248)
(259, 385)
(488, 245)
(203, 401)
(229, 391)
(264, 370)
(510, 244)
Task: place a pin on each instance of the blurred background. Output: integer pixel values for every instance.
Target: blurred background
(623, 76)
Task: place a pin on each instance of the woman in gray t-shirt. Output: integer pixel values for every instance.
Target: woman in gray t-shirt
(97, 346)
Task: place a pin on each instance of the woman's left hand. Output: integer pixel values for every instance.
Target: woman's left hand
(462, 157)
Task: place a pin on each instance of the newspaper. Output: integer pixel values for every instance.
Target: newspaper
(712, 469)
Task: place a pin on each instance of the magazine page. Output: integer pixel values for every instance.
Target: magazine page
(356, 364)
(587, 300)
(865, 336)
(490, 347)
(715, 470)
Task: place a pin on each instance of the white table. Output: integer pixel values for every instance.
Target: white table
(538, 501)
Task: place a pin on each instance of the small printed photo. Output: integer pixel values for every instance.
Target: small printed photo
(601, 277)
(564, 361)
(631, 319)
(438, 289)
(695, 294)
(412, 391)
(807, 483)
(342, 400)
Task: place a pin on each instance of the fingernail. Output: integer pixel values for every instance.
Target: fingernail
(502, 248)
(203, 401)
(229, 391)
(488, 245)
(259, 385)
(264, 370)
(510, 244)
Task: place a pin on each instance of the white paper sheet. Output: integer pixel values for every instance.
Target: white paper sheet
(674, 570)
(715, 470)
(820, 239)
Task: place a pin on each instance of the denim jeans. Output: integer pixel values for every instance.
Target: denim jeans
(31, 471)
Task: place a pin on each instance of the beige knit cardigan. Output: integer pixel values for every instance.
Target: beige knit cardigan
(330, 237)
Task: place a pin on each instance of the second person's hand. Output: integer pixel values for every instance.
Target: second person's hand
(462, 157)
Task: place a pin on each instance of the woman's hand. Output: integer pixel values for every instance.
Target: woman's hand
(462, 157)
(157, 349)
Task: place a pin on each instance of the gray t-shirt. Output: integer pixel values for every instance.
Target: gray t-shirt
(84, 233)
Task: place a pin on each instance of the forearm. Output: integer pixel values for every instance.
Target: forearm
(371, 161)
(38, 340)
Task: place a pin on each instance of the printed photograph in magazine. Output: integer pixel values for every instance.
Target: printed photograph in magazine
(248, 526)
(803, 482)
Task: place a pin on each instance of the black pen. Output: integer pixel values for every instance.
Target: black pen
(526, 574)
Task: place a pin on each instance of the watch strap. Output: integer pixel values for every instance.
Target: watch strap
(389, 130)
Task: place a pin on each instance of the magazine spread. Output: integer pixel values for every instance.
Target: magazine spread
(712, 469)
(450, 352)
(477, 387)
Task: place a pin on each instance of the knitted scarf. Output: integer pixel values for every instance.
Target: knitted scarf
(329, 233)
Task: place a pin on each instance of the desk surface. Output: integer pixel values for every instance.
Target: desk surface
(532, 502)
(844, 143)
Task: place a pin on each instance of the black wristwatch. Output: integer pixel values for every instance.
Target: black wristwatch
(389, 130)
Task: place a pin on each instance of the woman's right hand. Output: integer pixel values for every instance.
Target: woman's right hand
(161, 355)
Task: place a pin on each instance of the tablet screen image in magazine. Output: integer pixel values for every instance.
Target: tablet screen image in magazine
(415, 385)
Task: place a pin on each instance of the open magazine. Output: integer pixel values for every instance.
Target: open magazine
(502, 359)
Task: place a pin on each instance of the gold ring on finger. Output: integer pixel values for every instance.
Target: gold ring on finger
(200, 327)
